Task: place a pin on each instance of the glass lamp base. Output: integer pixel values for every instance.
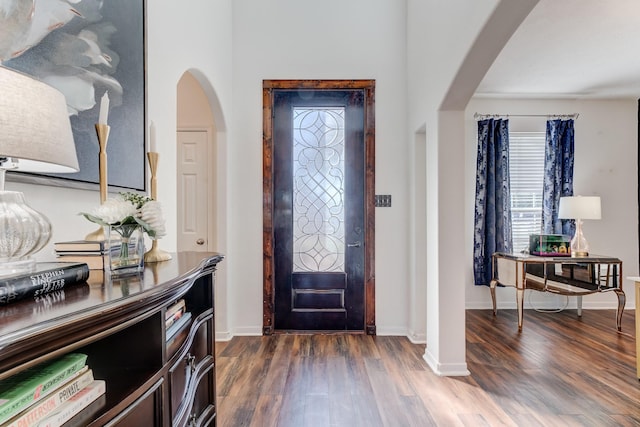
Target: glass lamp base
(579, 244)
(579, 254)
(24, 232)
(14, 267)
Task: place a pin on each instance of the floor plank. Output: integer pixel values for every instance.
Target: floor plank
(561, 370)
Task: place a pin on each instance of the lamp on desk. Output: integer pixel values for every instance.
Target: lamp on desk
(579, 208)
(35, 136)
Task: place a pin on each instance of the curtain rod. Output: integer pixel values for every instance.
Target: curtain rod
(478, 116)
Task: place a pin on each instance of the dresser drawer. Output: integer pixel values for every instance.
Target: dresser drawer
(189, 366)
(146, 411)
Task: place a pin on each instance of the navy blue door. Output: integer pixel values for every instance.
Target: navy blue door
(318, 209)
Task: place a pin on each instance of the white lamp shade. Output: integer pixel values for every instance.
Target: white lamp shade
(35, 136)
(34, 125)
(580, 207)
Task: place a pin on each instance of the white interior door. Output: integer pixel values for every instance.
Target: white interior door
(193, 190)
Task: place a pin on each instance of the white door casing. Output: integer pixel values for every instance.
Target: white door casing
(193, 190)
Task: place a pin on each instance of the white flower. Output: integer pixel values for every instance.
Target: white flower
(113, 211)
(131, 208)
(151, 213)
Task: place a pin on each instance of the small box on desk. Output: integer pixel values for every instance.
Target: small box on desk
(550, 245)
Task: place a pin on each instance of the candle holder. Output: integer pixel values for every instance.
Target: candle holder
(154, 271)
(102, 130)
(154, 254)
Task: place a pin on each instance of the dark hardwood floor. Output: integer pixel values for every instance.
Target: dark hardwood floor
(560, 371)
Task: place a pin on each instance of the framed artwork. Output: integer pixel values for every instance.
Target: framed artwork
(85, 48)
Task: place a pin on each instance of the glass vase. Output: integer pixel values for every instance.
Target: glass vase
(126, 249)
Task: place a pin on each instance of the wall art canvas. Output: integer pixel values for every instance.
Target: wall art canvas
(85, 48)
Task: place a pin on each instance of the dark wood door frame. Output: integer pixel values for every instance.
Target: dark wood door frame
(368, 86)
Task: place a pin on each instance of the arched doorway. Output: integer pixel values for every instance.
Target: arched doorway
(195, 161)
(201, 179)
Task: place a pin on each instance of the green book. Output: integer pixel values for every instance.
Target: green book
(26, 387)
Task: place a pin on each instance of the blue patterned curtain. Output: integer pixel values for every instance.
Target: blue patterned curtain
(558, 175)
(492, 228)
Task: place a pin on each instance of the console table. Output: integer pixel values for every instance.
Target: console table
(120, 325)
(560, 275)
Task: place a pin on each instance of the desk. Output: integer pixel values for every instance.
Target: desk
(560, 275)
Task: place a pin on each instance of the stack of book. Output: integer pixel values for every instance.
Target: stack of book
(95, 254)
(176, 317)
(52, 393)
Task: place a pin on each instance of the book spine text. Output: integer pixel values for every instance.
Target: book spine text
(74, 405)
(47, 405)
(33, 285)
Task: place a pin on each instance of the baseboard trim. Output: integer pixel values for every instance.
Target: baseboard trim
(445, 370)
(248, 331)
(417, 338)
(223, 336)
(391, 331)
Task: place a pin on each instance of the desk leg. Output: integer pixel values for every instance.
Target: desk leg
(622, 299)
(579, 305)
(520, 303)
(492, 287)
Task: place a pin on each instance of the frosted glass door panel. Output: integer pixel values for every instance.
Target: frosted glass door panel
(318, 189)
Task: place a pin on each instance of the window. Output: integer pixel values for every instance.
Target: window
(526, 173)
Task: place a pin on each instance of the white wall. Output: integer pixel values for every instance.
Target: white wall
(606, 153)
(333, 39)
(451, 46)
(180, 40)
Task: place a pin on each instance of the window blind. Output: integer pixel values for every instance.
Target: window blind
(526, 173)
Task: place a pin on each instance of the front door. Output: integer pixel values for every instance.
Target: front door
(319, 238)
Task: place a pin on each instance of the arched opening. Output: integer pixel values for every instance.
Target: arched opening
(445, 350)
(195, 161)
(200, 179)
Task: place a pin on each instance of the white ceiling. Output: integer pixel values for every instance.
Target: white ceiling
(571, 49)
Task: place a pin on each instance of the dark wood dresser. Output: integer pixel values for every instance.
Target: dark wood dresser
(120, 324)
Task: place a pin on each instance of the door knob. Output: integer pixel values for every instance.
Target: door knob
(200, 241)
(353, 245)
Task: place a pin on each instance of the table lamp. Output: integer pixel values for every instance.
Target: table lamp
(579, 208)
(35, 136)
